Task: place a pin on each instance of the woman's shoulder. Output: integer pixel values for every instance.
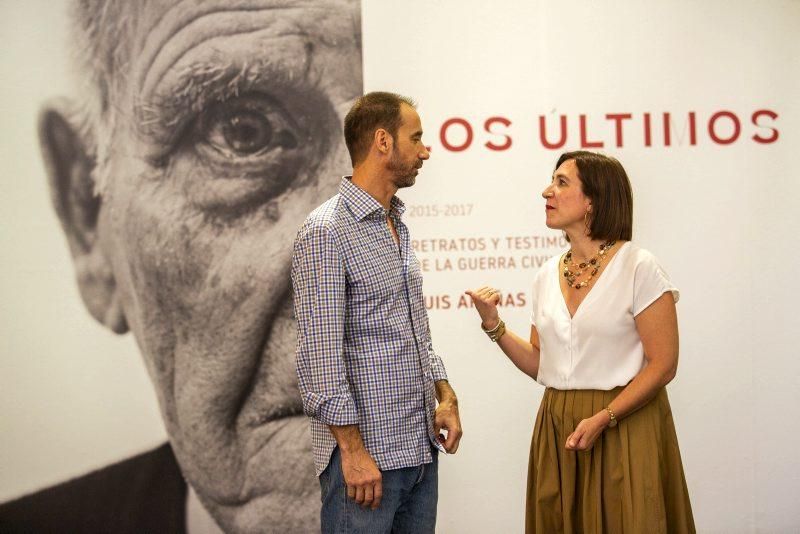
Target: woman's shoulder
(636, 255)
(649, 278)
(640, 262)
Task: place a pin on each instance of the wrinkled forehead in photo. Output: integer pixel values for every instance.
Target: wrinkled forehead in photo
(246, 83)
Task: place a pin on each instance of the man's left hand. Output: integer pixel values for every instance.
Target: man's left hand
(446, 417)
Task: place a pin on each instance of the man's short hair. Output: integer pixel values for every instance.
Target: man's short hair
(371, 112)
(606, 184)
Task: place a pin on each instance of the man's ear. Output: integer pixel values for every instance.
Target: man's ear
(69, 162)
(383, 141)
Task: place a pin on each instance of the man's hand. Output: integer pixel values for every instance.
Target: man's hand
(361, 474)
(446, 417)
(362, 477)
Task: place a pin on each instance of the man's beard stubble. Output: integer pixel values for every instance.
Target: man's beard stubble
(404, 175)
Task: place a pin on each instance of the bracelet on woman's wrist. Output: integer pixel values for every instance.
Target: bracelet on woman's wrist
(488, 330)
(612, 417)
(496, 332)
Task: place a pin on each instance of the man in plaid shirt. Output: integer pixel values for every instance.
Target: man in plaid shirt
(368, 374)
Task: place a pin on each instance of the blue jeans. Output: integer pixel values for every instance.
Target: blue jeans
(408, 505)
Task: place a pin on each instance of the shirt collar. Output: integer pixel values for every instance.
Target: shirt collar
(362, 204)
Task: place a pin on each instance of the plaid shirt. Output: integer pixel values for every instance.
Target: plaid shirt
(364, 352)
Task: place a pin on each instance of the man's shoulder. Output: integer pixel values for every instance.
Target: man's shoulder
(328, 211)
(328, 218)
(145, 493)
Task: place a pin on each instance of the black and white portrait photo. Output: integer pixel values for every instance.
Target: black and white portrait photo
(199, 137)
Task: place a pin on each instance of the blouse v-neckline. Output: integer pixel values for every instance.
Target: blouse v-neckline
(592, 288)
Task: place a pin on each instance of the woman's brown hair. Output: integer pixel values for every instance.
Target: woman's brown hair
(606, 184)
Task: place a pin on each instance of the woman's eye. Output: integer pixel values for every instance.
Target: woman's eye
(248, 125)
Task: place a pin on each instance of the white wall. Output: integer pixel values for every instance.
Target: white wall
(718, 216)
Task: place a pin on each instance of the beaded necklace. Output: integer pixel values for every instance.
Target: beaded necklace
(574, 270)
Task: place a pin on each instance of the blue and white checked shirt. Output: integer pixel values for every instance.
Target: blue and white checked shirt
(364, 351)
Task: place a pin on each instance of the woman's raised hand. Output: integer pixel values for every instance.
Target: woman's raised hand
(486, 300)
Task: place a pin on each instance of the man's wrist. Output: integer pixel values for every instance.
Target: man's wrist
(348, 438)
(445, 393)
(449, 403)
(349, 447)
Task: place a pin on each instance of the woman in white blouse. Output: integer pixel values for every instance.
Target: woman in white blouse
(604, 341)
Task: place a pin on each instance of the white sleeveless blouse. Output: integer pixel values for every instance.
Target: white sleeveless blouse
(598, 348)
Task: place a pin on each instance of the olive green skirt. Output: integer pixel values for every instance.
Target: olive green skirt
(630, 481)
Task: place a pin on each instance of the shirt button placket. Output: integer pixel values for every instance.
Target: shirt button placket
(571, 352)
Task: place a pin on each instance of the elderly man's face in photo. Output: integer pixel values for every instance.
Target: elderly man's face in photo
(215, 137)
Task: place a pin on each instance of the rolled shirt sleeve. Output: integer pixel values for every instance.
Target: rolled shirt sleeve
(318, 282)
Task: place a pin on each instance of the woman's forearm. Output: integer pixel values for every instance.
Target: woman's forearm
(521, 352)
(642, 388)
(524, 354)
